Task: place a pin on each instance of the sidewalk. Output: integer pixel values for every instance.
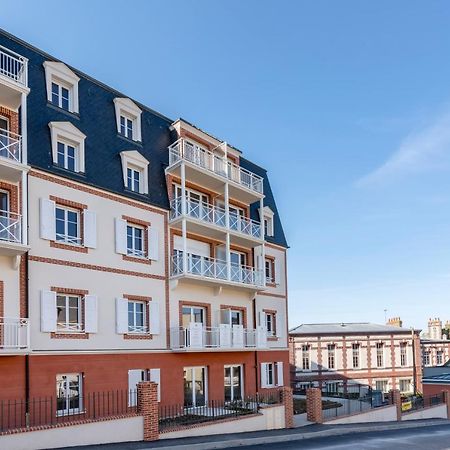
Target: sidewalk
(263, 437)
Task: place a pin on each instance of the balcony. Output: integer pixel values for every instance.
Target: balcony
(13, 78)
(217, 272)
(10, 156)
(14, 335)
(211, 221)
(212, 171)
(11, 234)
(224, 337)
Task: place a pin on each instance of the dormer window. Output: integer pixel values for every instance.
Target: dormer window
(67, 146)
(128, 119)
(135, 171)
(266, 216)
(62, 86)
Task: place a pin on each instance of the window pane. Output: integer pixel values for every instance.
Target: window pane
(64, 98)
(55, 94)
(61, 153)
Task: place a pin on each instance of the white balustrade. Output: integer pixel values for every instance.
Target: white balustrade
(14, 333)
(10, 145)
(10, 227)
(13, 66)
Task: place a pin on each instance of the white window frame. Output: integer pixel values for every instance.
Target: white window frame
(232, 368)
(356, 353)
(69, 240)
(66, 145)
(270, 278)
(133, 251)
(426, 358)
(267, 215)
(206, 387)
(60, 74)
(306, 357)
(136, 175)
(404, 380)
(403, 354)
(71, 411)
(385, 384)
(331, 356)
(65, 132)
(270, 319)
(134, 160)
(439, 357)
(270, 369)
(66, 326)
(137, 329)
(380, 354)
(124, 107)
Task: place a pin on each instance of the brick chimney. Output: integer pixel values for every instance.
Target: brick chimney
(395, 322)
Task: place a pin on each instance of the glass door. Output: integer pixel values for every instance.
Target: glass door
(195, 386)
(4, 128)
(233, 383)
(192, 314)
(4, 215)
(236, 215)
(237, 260)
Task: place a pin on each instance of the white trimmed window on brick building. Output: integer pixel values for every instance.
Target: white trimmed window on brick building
(62, 86)
(403, 354)
(331, 355)
(272, 374)
(135, 171)
(69, 394)
(355, 356)
(306, 363)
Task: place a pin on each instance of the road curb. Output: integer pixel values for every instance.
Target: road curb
(298, 436)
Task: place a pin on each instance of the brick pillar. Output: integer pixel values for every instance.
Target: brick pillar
(148, 407)
(447, 402)
(314, 405)
(288, 402)
(395, 399)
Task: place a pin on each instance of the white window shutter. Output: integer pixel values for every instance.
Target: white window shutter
(262, 319)
(153, 244)
(277, 268)
(277, 324)
(121, 315)
(91, 314)
(263, 375)
(90, 229)
(121, 236)
(154, 325)
(47, 218)
(258, 258)
(48, 311)
(280, 380)
(155, 376)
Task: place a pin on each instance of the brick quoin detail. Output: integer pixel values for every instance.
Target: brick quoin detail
(288, 402)
(314, 405)
(148, 407)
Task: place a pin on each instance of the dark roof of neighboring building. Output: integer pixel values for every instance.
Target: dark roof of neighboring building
(96, 119)
(312, 329)
(443, 378)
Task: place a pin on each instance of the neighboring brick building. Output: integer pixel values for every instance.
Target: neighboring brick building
(435, 344)
(383, 357)
(153, 250)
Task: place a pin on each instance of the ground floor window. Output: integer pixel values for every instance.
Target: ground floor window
(381, 385)
(69, 393)
(405, 385)
(233, 383)
(195, 389)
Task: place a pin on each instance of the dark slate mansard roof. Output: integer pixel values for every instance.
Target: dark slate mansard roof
(97, 120)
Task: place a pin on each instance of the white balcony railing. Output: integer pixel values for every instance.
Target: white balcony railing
(185, 150)
(13, 66)
(203, 266)
(10, 145)
(10, 227)
(215, 215)
(14, 334)
(197, 336)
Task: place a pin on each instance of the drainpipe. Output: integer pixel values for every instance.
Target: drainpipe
(414, 361)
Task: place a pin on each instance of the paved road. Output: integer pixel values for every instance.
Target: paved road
(427, 438)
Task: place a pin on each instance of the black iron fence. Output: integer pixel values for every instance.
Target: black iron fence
(415, 403)
(43, 411)
(174, 416)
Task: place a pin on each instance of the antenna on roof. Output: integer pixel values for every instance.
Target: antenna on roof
(385, 315)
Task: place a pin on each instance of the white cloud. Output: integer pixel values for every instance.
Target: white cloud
(425, 150)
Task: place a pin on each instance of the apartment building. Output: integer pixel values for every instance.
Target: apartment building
(379, 356)
(132, 247)
(435, 344)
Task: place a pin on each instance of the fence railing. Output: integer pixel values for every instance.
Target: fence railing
(13, 66)
(207, 267)
(14, 333)
(179, 415)
(415, 403)
(188, 151)
(215, 215)
(223, 336)
(10, 145)
(42, 411)
(10, 227)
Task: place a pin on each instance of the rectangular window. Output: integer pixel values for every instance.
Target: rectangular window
(126, 127)
(270, 275)
(195, 386)
(439, 357)
(403, 354)
(68, 313)
(270, 374)
(305, 357)
(61, 96)
(68, 226)
(380, 354)
(67, 156)
(134, 179)
(426, 358)
(69, 394)
(233, 383)
(381, 385)
(331, 355)
(137, 317)
(270, 324)
(135, 241)
(355, 356)
(405, 385)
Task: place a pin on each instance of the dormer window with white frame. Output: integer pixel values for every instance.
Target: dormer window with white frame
(266, 217)
(62, 86)
(67, 146)
(135, 171)
(128, 119)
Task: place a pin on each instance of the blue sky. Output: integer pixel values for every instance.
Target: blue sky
(346, 103)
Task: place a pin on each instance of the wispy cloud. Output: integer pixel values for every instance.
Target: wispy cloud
(425, 150)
